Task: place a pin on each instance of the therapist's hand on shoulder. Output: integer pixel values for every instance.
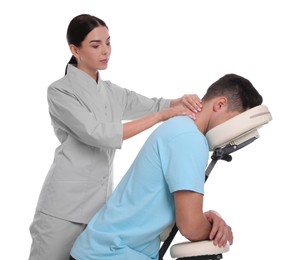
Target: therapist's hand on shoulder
(221, 233)
(176, 111)
(190, 101)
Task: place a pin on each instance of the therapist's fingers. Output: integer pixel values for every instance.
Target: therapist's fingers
(176, 111)
(192, 102)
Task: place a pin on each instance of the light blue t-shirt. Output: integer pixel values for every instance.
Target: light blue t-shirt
(142, 206)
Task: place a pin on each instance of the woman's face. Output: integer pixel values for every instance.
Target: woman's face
(94, 52)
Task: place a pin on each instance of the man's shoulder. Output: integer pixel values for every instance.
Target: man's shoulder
(176, 127)
(180, 124)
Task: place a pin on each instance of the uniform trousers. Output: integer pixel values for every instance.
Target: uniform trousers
(52, 238)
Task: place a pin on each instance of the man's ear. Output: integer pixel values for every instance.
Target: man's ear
(74, 50)
(220, 103)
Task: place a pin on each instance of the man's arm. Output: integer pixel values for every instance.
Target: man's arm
(190, 218)
(196, 225)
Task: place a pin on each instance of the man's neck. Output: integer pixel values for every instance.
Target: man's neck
(202, 122)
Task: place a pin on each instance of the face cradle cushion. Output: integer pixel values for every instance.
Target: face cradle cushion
(239, 128)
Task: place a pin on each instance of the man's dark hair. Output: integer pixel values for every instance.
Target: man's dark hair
(239, 91)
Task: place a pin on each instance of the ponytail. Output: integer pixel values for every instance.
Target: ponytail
(71, 61)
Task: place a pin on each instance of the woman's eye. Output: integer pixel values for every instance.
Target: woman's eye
(95, 46)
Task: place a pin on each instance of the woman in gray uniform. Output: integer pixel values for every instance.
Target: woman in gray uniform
(87, 114)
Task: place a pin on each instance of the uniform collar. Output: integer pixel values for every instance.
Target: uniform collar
(82, 77)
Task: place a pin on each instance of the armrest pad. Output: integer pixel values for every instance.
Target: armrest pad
(189, 249)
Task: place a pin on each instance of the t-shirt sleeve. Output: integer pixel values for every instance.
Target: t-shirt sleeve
(185, 160)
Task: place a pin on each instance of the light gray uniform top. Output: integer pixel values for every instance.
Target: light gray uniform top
(87, 119)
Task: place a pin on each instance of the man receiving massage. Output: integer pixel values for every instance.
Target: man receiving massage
(165, 184)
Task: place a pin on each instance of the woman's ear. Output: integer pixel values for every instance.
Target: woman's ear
(74, 50)
(220, 103)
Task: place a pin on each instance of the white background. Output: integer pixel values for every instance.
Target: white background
(160, 48)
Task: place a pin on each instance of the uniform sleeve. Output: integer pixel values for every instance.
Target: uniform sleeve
(75, 118)
(185, 161)
(136, 105)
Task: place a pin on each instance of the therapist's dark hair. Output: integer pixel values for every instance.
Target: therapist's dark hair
(239, 91)
(78, 29)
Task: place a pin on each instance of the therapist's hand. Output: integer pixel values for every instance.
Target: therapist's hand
(175, 111)
(189, 101)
